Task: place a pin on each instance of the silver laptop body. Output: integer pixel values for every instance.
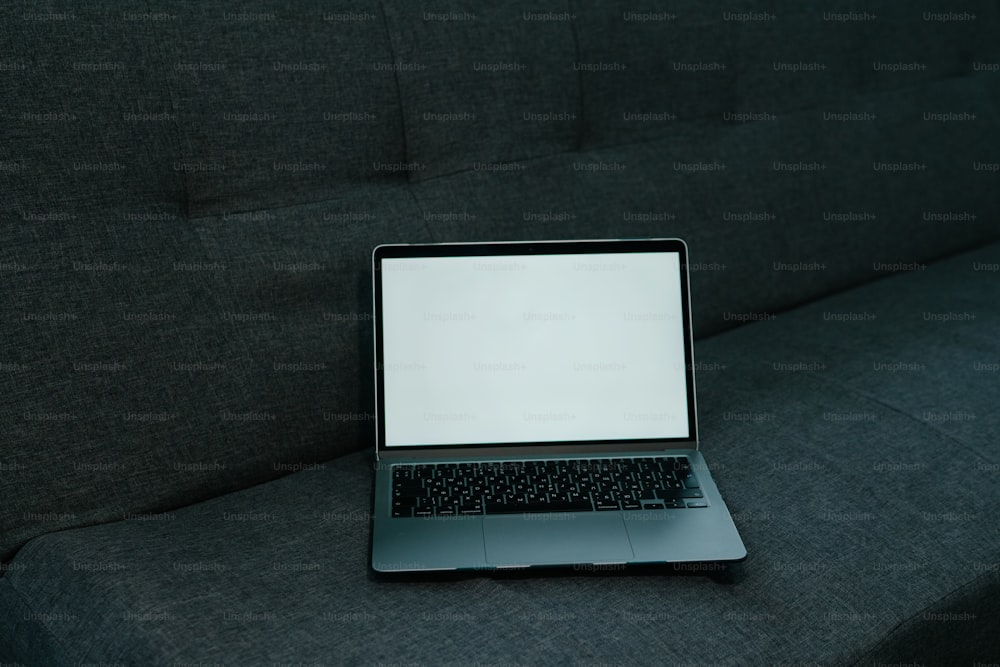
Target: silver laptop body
(567, 365)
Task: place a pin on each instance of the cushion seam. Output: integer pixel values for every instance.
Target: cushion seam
(896, 628)
(25, 602)
(899, 411)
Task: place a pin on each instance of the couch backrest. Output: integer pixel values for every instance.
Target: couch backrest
(190, 195)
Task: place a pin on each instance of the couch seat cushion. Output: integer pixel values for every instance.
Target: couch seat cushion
(854, 440)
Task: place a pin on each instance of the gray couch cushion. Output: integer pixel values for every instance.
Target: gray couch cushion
(283, 103)
(488, 86)
(149, 148)
(154, 363)
(706, 63)
(87, 121)
(869, 520)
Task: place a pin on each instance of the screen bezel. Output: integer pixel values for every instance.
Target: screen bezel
(513, 248)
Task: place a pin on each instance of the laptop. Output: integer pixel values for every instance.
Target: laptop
(535, 407)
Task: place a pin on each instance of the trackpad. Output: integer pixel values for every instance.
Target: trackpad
(556, 539)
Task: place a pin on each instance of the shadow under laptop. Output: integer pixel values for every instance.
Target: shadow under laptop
(727, 573)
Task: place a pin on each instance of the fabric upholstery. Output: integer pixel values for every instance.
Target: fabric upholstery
(836, 490)
(190, 196)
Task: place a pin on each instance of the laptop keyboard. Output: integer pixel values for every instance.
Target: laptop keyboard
(577, 485)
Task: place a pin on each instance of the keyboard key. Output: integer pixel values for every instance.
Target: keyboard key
(675, 494)
(402, 509)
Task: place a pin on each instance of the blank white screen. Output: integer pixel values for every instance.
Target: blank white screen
(533, 348)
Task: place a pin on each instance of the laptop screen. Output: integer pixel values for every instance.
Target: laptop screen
(533, 348)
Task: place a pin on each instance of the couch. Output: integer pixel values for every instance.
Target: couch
(190, 195)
